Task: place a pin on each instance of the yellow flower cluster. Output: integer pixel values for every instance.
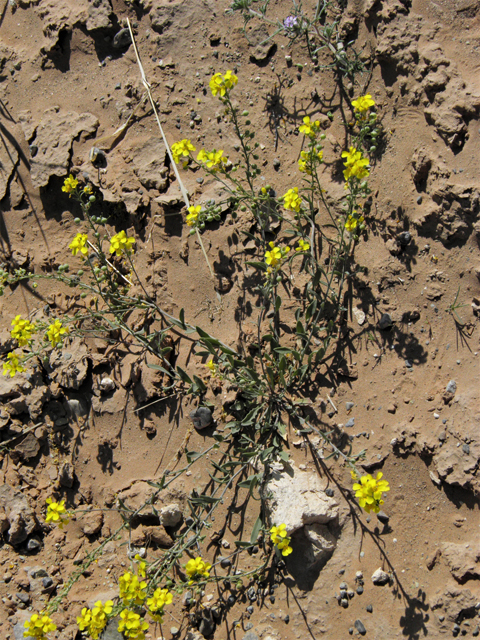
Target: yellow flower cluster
(38, 626)
(275, 256)
(305, 162)
(221, 84)
(363, 103)
(70, 184)
(197, 568)
(57, 513)
(182, 149)
(310, 128)
(212, 159)
(132, 625)
(278, 535)
(352, 222)
(93, 621)
(79, 243)
(355, 165)
(22, 330)
(55, 332)
(131, 590)
(12, 366)
(292, 201)
(193, 214)
(156, 604)
(302, 245)
(369, 492)
(120, 243)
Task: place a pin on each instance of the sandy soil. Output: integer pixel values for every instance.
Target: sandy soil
(63, 87)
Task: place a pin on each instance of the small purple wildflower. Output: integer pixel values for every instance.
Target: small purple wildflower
(290, 22)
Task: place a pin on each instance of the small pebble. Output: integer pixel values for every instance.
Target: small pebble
(369, 608)
(360, 627)
(174, 631)
(349, 405)
(286, 619)
(329, 492)
(344, 603)
(250, 609)
(231, 601)
(419, 200)
(350, 423)
(343, 586)
(466, 449)
(360, 590)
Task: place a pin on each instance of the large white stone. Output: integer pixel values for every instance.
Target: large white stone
(297, 499)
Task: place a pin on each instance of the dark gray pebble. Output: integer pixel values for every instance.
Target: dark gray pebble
(250, 609)
(360, 627)
(350, 423)
(231, 601)
(404, 238)
(286, 619)
(122, 39)
(344, 603)
(383, 517)
(23, 597)
(369, 608)
(201, 417)
(47, 582)
(360, 590)
(385, 322)
(329, 492)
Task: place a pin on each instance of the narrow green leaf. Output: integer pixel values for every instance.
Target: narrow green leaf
(256, 529)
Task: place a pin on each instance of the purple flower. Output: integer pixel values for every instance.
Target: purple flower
(290, 22)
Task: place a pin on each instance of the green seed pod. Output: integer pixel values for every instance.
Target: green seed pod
(83, 296)
(77, 220)
(80, 272)
(92, 198)
(373, 148)
(248, 123)
(322, 136)
(96, 234)
(245, 113)
(104, 268)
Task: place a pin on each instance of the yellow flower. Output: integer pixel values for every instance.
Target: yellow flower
(13, 365)
(369, 492)
(352, 223)
(221, 84)
(197, 568)
(363, 103)
(94, 621)
(79, 243)
(302, 245)
(132, 625)
(278, 535)
(309, 128)
(192, 216)
(131, 590)
(292, 201)
(213, 159)
(87, 189)
(57, 513)
(213, 367)
(155, 604)
(305, 161)
(275, 256)
(69, 184)
(355, 165)
(22, 330)
(38, 626)
(182, 149)
(55, 332)
(142, 565)
(120, 243)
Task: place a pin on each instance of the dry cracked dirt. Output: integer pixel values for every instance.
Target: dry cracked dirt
(407, 390)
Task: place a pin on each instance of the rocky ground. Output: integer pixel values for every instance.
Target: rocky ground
(406, 390)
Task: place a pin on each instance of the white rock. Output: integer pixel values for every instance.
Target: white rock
(170, 515)
(380, 577)
(298, 499)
